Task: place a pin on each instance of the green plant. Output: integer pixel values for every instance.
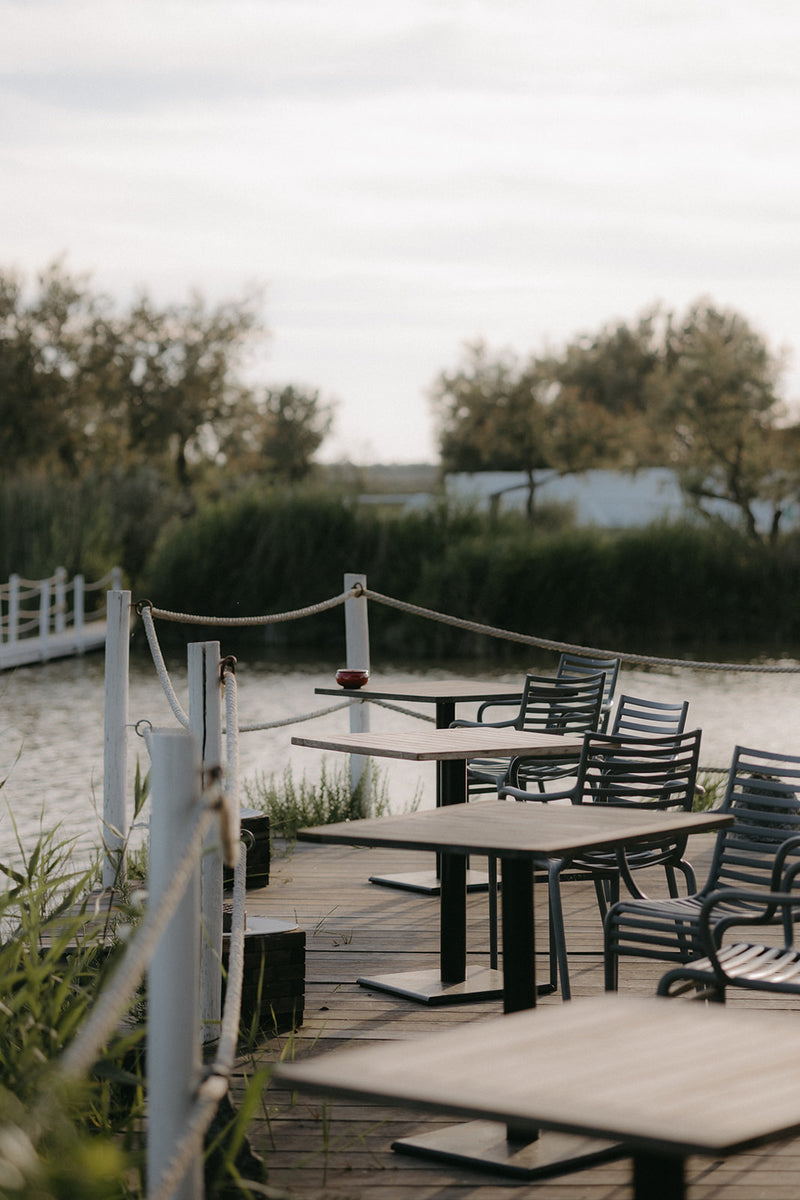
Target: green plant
(292, 806)
(712, 789)
(54, 958)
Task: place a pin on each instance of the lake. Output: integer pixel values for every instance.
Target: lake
(51, 717)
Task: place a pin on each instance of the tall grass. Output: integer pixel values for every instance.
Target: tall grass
(291, 806)
(60, 1142)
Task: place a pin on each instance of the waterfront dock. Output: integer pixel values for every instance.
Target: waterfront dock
(336, 1151)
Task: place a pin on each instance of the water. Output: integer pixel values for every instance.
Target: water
(51, 723)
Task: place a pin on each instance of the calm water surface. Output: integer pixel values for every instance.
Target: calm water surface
(51, 718)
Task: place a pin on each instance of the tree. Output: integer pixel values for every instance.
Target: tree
(503, 415)
(717, 392)
(295, 424)
(85, 387)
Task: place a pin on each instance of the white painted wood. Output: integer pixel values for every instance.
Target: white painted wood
(44, 617)
(60, 599)
(356, 631)
(173, 1041)
(118, 618)
(78, 611)
(205, 722)
(13, 608)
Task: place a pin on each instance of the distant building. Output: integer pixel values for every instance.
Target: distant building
(607, 499)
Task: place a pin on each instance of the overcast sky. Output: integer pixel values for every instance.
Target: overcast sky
(402, 177)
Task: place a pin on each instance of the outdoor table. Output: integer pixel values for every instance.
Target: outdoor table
(445, 694)
(517, 834)
(661, 1078)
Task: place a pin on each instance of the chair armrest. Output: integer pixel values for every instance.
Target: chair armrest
(768, 903)
(497, 704)
(507, 791)
(790, 846)
(461, 724)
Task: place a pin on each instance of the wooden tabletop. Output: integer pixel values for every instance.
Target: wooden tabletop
(511, 830)
(439, 744)
(435, 691)
(656, 1074)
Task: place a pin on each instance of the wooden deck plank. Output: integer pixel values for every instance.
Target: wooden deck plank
(317, 1150)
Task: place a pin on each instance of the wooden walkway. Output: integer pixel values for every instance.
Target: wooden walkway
(339, 1151)
(29, 650)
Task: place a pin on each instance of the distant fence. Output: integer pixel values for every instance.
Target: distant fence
(49, 618)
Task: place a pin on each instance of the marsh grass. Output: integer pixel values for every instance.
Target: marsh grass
(291, 806)
(55, 955)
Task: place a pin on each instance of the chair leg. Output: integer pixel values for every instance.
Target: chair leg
(611, 960)
(557, 927)
(493, 912)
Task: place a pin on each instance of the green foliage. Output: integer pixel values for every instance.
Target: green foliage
(292, 806)
(647, 590)
(696, 392)
(60, 1142)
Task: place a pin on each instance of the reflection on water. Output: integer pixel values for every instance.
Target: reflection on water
(51, 754)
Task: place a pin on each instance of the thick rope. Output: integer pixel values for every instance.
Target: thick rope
(161, 668)
(311, 716)
(269, 619)
(231, 694)
(547, 644)
(83, 1052)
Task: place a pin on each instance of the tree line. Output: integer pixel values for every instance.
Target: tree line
(88, 387)
(698, 392)
(153, 403)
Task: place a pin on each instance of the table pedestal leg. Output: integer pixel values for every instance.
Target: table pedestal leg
(428, 882)
(658, 1176)
(522, 1152)
(454, 982)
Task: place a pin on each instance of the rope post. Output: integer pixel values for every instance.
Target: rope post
(356, 633)
(44, 617)
(205, 722)
(78, 609)
(13, 608)
(173, 1025)
(115, 744)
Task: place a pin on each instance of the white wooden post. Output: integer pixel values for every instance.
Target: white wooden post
(60, 606)
(13, 608)
(205, 722)
(173, 1025)
(115, 747)
(356, 632)
(44, 617)
(78, 604)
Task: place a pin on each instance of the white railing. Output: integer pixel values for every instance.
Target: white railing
(41, 618)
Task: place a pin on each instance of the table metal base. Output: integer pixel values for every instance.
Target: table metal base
(426, 986)
(428, 882)
(485, 1146)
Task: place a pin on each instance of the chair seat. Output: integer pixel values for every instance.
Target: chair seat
(745, 964)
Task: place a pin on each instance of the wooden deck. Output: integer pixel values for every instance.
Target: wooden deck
(341, 1151)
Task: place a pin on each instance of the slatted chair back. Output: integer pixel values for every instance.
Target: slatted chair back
(561, 705)
(659, 771)
(578, 666)
(638, 717)
(763, 797)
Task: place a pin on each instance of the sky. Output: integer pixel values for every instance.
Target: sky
(403, 178)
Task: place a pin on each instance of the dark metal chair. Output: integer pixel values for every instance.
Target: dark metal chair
(658, 771)
(762, 797)
(744, 964)
(548, 705)
(578, 666)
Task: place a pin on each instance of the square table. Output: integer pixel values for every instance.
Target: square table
(517, 834)
(444, 694)
(662, 1078)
